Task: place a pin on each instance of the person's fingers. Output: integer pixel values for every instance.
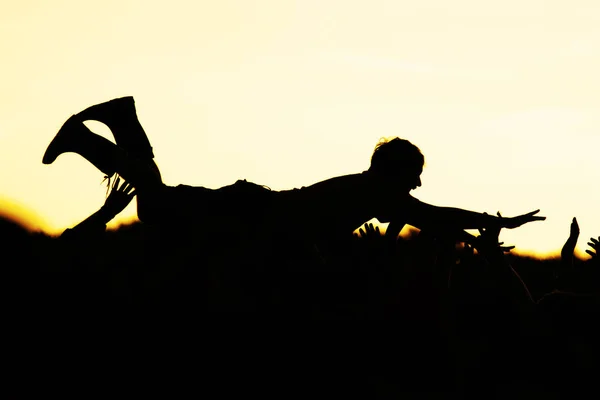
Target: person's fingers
(530, 216)
(130, 188)
(122, 188)
(574, 226)
(591, 253)
(524, 220)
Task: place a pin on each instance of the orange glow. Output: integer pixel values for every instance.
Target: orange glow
(23, 216)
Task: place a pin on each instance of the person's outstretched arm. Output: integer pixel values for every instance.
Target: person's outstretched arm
(95, 224)
(423, 215)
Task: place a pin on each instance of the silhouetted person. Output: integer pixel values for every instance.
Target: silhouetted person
(325, 211)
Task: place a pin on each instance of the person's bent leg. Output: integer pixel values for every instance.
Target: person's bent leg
(120, 116)
(156, 202)
(109, 158)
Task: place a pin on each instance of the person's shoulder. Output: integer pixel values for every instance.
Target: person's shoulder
(339, 182)
(411, 200)
(361, 176)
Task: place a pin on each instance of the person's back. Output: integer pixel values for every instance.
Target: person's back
(337, 204)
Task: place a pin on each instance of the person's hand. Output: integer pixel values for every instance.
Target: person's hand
(567, 251)
(369, 232)
(487, 241)
(595, 245)
(574, 230)
(119, 197)
(515, 222)
(372, 238)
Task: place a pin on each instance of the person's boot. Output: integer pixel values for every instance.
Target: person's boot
(75, 137)
(109, 158)
(121, 117)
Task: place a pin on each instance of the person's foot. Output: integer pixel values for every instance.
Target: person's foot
(75, 137)
(60, 143)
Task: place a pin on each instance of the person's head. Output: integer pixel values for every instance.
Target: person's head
(398, 162)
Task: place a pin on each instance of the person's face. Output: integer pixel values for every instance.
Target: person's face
(393, 190)
(410, 179)
(400, 185)
(414, 178)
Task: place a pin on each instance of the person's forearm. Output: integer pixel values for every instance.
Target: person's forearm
(394, 229)
(565, 266)
(566, 254)
(427, 216)
(95, 223)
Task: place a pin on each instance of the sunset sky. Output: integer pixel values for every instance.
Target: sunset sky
(503, 98)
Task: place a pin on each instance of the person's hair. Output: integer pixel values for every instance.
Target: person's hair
(394, 156)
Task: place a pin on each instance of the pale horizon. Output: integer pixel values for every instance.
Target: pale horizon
(502, 99)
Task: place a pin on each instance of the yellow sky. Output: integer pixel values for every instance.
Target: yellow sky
(502, 98)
